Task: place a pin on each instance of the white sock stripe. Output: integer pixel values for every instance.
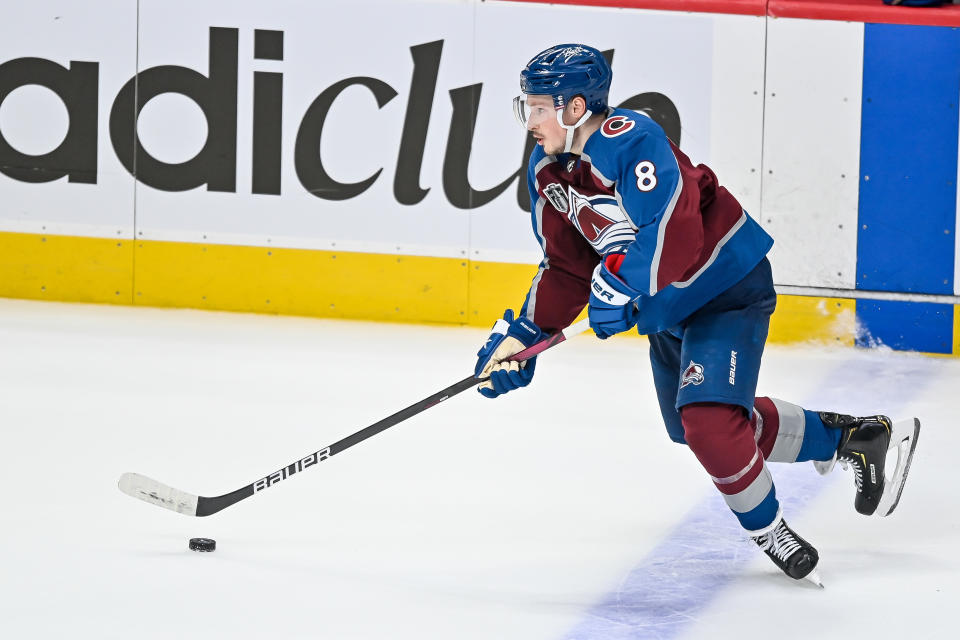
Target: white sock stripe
(790, 434)
(741, 473)
(753, 495)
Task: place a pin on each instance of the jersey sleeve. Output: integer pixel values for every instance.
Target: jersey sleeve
(663, 202)
(561, 286)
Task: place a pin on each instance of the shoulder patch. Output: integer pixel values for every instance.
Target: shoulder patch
(616, 125)
(557, 196)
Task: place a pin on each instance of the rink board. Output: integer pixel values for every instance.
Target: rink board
(385, 183)
(323, 283)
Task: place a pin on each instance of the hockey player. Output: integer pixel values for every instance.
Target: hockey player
(631, 228)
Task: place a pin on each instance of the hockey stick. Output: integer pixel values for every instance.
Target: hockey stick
(149, 490)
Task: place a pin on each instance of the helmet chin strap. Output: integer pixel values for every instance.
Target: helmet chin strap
(571, 128)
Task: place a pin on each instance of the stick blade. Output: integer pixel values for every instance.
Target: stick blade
(149, 490)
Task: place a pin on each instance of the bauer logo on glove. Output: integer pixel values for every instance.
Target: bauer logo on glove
(509, 336)
(613, 303)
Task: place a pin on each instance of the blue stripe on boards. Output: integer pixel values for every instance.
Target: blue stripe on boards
(907, 326)
(908, 158)
(666, 593)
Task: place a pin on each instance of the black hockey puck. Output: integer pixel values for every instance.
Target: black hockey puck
(203, 544)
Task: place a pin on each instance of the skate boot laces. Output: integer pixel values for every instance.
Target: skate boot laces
(849, 462)
(792, 554)
(779, 542)
(864, 448)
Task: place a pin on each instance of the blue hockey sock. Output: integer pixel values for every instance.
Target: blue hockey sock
(820, 442)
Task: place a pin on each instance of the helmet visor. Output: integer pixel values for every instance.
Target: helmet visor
(531, 115)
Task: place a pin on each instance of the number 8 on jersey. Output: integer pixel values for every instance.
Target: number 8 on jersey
(646, 176)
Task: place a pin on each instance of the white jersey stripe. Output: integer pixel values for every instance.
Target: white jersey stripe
(662, 231)
(540, 165)
(716, 252)
(544, 264)
(607, 182)
(538, 214)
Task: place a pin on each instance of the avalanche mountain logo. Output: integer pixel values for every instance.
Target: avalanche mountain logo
(693, 374)
(600, 220)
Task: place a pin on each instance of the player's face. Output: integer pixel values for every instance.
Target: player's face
(542, 124)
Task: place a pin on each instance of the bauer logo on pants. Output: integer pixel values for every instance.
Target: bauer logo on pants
(693, 374)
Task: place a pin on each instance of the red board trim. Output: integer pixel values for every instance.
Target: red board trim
(739, 7)
(873, 11)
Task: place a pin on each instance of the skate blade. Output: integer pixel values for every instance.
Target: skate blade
(814, 577)
(904, 438)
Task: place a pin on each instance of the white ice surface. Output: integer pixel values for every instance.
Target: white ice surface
(477, 519)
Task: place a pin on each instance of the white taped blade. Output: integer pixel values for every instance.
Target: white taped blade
(149, 490)
(576, 328)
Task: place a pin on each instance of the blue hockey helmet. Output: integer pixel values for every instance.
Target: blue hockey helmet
(568, 70)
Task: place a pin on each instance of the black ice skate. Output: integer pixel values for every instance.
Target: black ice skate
(863, 447)
(795, 556)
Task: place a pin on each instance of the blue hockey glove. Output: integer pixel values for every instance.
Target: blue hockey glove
(508, 337)
(612, 306)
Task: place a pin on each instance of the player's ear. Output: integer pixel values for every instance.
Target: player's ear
(579, 106)
(574, 110)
